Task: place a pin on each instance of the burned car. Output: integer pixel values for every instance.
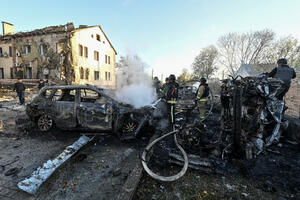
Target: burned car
(85, 108)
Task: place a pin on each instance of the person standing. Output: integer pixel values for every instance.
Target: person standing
(202, 97)
(41, 84)
(171, 97)
(19, 87)
(158, 87)
(284, 73)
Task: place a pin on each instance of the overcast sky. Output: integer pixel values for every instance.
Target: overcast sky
(166, 34)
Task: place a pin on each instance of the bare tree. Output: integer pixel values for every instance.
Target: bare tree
(204, 64)
(287, 47)
(246, 48)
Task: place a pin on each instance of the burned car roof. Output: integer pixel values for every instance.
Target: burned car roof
(100, 90)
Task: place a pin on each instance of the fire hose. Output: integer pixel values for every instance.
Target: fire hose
(165, 178)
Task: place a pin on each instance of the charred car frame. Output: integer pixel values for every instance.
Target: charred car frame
(86, 108)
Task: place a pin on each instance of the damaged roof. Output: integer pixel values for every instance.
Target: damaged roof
(47, 30)
(65, 28)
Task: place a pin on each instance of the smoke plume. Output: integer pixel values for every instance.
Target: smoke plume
(134, 85)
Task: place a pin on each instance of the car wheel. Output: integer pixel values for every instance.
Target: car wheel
(45, 123)
(127, 129)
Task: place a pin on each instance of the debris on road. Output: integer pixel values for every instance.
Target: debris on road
(38, 177)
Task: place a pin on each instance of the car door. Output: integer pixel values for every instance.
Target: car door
(94, 111)
(64, 108)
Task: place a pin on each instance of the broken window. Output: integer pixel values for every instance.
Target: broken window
(87, 95)
(87, 73)
(1, 73)
(80, 50)
(59, 47)
(64, 95)
(96, 55)
(47, 93)
(10, 51)
(96, 75)
(81, 72)
(43, 49)
(86, 52)
(98, 37)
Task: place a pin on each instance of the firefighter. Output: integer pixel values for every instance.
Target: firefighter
(171, 97)
(284, 73)
(158, 87)
(165, 86)
(202, 97)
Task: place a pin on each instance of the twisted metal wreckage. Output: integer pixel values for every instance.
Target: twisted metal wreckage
(251, 120)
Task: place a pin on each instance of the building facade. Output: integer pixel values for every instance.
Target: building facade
(63, 54)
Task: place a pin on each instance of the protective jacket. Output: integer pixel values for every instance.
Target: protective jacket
(203, 91)
(284, 73)
(172, 92)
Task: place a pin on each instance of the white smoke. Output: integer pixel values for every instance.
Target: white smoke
(134, 85)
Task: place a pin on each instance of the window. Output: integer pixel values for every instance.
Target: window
(80, 50)
(87, 74)
(81, 72)
(105, 58)
(1, 51)
(10, 51)
(43, 49)
(98, 37)
(11, 72)
(1, 73)
(64, 95)
(107, 76)
(96, 75)
(108, 59)
(96, 55)
(59, 47)
(92, 36)
(47, 93)
(86, 52)
(26, 49)
(29, 72)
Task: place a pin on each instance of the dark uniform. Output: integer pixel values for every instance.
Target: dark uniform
(284, 73)
(19, 87)
(171, 97)
(41, 84)
(158, 87)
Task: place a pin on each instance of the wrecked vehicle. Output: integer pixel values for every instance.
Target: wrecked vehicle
(252, 114)
(86, 108)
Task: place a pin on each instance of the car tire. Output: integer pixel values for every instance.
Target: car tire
(45, 123)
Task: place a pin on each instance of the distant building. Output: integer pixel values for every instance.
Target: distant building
(64, 54)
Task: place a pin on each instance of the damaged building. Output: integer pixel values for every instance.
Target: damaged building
(63, 54)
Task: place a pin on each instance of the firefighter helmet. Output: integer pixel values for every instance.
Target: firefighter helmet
(172, 77)
(282, 61)
(203, 80)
